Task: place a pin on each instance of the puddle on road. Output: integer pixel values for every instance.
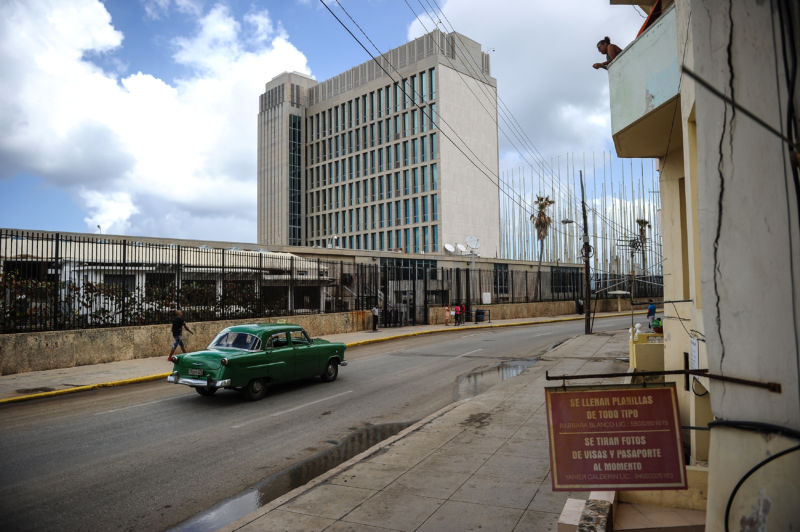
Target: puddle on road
(272, 487)
(40, 389)
(286, 480)
(481, 379)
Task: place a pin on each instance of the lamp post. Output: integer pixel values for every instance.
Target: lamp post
(586, 252)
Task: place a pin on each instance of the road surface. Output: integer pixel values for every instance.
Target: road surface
(149, 456)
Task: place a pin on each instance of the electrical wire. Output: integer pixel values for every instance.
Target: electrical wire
(791, 119)
(505, 112)
(441, 119)
(525, 208)
(518, 132)
(747, 475)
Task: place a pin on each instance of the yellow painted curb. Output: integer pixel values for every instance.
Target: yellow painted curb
(88, 387)
(487, 326)
(83, 388)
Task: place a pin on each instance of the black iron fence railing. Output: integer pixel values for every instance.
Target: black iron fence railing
(50, 281)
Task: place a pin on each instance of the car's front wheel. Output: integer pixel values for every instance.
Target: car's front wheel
(331, 371)
(205, 390)
(256, 389)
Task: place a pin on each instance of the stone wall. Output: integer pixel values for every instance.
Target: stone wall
(38, 351)
(508, 311)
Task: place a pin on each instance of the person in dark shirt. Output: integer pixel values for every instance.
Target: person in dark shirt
(605, 46)
(178, 325)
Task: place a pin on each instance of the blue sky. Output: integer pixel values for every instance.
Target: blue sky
(139, 116)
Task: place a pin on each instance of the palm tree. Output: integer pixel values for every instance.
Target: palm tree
(541, 221)
(643, 225)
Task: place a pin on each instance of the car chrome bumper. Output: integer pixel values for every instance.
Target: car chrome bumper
(176, 379)
(343, 363)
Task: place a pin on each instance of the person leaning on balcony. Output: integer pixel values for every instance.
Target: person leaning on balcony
(604, 46)
(178, 325)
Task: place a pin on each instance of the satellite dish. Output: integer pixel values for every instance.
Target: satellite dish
(449, 248)
(461, 248)
(473, 242)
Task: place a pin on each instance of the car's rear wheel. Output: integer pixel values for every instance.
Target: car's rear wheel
(331, 371)
(256, 389)
(205, 390)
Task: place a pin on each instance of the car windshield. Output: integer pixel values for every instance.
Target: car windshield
(236, 340)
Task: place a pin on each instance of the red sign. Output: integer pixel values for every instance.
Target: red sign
(615, 437)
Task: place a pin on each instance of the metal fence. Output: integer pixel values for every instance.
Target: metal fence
(52, 282)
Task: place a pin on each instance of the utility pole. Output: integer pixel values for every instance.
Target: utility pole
(587, 251)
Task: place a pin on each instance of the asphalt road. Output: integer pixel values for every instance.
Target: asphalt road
(149, 456)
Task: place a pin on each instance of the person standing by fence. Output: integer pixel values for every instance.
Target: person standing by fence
(457, 316)
(447, 315)
(375, 314)
(651, 313)
(178, 325)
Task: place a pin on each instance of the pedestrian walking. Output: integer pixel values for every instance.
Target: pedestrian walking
(651, 313)
(463, 313)
(375, 314)
(178, 325)
(447, 315)
(456, 314)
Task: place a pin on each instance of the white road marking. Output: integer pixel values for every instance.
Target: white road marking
(282, 412)
(469, 352)
(133, 406)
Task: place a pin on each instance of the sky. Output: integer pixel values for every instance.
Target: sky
(138, 117)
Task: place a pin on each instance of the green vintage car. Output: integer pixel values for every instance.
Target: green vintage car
(251, 357)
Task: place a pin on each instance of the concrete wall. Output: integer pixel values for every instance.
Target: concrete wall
(469, 198)
(743, 275)
(507, 311)
(24, 352)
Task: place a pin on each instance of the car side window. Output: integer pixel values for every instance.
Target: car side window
(300, 338)
(278, 340)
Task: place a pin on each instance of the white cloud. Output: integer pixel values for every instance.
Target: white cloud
(155, 9)
(110, 210)
(147, 156)
(542, 60)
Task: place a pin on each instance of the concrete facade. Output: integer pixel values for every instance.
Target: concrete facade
(731, 246)
(405, 158)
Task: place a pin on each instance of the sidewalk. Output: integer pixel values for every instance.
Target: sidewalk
(41, 384)
(482, 463)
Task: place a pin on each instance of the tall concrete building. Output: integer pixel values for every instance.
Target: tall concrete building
(368, 160)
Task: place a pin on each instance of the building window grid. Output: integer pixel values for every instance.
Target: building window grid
(419, 90)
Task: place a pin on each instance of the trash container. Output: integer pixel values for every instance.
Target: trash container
(480, 315)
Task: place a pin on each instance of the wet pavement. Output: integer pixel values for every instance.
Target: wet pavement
(290, 478)
(479, 463)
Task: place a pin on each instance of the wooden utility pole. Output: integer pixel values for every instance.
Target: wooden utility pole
(587, 251)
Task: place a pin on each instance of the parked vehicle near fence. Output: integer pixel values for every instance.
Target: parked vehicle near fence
(250, 358)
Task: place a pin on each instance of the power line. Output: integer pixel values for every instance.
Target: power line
(405, 94)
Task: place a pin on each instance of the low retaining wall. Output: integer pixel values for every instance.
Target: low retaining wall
(23, 352)
(509, 311)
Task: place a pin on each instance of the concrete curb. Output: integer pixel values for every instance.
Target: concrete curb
(487, 326)
(148, 378)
